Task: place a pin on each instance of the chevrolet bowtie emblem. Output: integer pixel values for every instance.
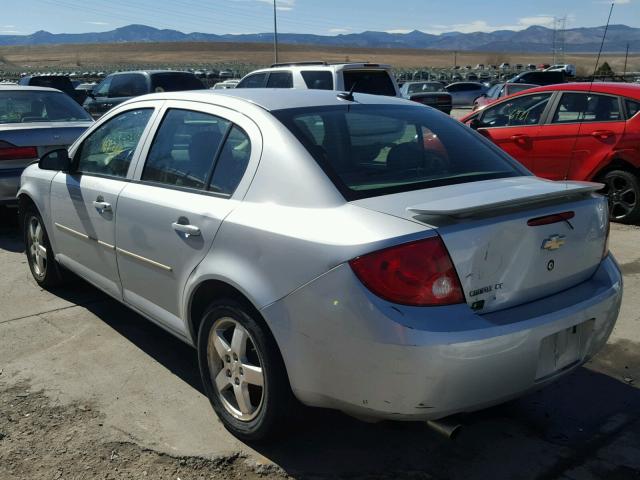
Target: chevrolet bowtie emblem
(554, 242)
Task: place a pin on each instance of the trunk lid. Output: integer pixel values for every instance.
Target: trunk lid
(501, 260)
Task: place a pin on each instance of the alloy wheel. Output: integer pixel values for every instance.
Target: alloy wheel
(621, 195)
(236, 369)
(37, 247)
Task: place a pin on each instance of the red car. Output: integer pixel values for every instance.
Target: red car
(573, 131)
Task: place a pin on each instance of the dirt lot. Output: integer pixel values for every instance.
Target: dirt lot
(193, 53)
(89, 390)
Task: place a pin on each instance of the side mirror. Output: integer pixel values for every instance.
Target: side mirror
(90, 94)
(56, 160)
(476, 123)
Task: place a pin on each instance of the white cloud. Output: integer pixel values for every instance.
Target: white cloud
(284, 5)
(399, 30)
(483, 26)
(97, 23)
(339, 30)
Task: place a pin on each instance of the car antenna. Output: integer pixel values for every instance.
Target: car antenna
(593, 77)
(348, 95)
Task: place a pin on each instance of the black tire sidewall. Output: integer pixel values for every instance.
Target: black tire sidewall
(276, 387)
(51, 277)
(634, 216)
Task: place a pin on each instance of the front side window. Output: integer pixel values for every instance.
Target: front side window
(32, 106)
(184, 149)
(129, 85)
(108, 150)
(318, 80)
(370, 150)
(256, 80)
(280, 80)
(587, 107)
(102, 90)
(519, 111)
(232, 163)
(376, 82)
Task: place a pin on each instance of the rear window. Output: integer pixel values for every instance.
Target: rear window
(60, 83)
(318, 80)
(376, 82)
(371, 150)
(174, 82)
(425, 88)
(35, 106)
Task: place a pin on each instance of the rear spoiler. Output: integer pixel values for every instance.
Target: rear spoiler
(475, 203)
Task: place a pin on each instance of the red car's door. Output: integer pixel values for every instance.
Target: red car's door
(514, 125)
(581, 133)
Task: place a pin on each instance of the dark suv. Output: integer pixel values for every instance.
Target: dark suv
(540, 78)
(59, 82)
(119, 87)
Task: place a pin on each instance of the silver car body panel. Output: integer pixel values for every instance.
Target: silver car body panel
(284, 241)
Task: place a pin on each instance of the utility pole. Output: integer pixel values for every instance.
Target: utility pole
(455, 58)
(626, 56)
(275, 33)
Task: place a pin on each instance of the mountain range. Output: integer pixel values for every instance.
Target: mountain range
(535, 39)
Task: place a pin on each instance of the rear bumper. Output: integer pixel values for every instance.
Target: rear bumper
(9, 184)
(346, 349)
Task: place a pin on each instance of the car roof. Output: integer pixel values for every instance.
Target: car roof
(151, 72)
(614, 88)
(28, 88)
(272, 99)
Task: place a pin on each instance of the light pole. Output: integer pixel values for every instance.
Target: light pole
(275, 33)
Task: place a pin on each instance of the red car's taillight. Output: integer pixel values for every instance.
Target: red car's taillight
(418, 273)
(11, 152)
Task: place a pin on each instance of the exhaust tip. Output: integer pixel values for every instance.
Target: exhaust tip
(446, 427)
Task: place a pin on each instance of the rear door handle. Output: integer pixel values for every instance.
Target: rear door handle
(602, 134)
(520, 138)
(188, 230)
(101, 205)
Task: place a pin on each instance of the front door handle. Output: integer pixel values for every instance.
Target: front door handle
(101, 205)
(602, 134)
(188, 230)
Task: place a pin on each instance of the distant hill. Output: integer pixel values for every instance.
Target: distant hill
(534, 39)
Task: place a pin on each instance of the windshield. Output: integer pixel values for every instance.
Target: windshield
(375, 82)
(175, 82)
(370, 150)
(31, 106)
(425, 87)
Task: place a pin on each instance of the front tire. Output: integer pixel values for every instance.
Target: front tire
(40, 257)
(242, 372)
(623, 192)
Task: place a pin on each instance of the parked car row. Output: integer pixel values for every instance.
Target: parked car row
(340, 249)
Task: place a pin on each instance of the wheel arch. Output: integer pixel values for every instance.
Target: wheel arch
(616, 163)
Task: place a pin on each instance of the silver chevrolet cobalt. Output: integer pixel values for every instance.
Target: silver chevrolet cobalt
(355, 252)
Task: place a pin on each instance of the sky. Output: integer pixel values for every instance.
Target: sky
(323, 17)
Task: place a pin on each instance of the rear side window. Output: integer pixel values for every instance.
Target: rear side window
(280, 80)
(129, 85)
(257, 80)
(370, 150)
(318, 80)
(632, 108)
(232, 163)
(108, 150)
(184, 149)
(174, 82)
(376, 82)
(519, 111)
(587, 107)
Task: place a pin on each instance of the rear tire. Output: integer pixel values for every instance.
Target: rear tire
(623, 191)
(242, 372)
(40, 256)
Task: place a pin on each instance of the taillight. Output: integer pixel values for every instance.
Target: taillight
(418, 273)
(11, 152)
(549, 219)
(605, 250)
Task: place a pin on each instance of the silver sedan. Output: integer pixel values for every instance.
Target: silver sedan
(33, 121)
(355, 252)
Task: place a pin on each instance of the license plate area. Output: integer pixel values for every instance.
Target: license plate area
(563, 349)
